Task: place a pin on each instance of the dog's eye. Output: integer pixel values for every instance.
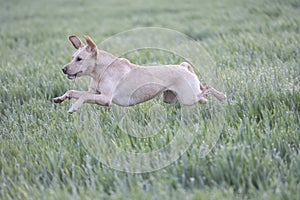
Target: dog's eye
(78, 59)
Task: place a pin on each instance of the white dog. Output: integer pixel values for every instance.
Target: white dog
(116, 80)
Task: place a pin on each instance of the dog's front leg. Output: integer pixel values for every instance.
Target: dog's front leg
(100, 99)
(69, 95)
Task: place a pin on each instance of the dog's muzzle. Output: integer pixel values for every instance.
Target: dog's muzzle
(70, 76)
(64, 69)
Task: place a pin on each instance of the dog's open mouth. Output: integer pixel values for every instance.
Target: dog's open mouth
(73, 76)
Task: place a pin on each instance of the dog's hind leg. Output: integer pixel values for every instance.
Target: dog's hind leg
(169, 96)
(210, 90)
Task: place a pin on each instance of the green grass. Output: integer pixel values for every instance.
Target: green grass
(255, 47)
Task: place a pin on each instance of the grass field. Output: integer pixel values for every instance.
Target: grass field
(255, 47)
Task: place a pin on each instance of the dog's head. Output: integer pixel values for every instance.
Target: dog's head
(83, 60)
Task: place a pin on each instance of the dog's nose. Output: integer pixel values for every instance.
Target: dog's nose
(64, 69)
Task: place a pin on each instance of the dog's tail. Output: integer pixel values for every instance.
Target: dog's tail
(188, 66)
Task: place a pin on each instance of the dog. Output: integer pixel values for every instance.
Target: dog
(117, 80)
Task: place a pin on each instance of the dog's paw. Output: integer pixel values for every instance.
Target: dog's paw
(222, 98)
(57, 100)
(72, 110)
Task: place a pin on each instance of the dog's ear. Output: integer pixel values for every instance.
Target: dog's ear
(92, 47)
(76, 41)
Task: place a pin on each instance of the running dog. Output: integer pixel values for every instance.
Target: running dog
(117, 80)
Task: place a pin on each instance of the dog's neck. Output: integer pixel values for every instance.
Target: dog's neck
(106, 61)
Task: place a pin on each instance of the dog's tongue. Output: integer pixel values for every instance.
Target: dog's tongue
(71, 76)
